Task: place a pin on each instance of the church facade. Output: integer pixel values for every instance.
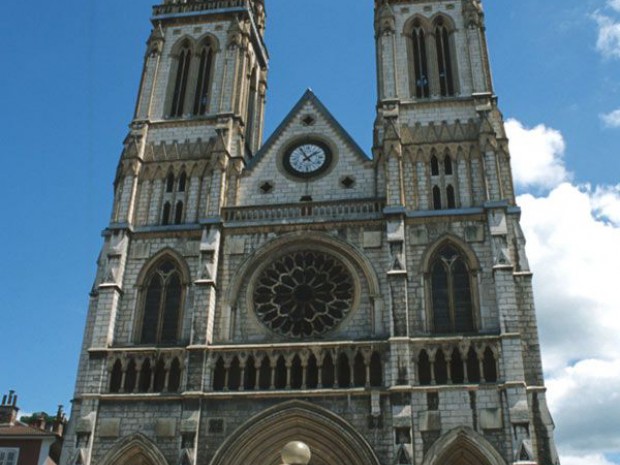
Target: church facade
(377, 307)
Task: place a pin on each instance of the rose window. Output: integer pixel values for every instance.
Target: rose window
(303, 294)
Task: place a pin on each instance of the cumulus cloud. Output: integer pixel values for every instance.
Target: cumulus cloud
(611, 120)
(573, 232)
(595, 459)
(615, 4)
(608, 42)
(540, 150)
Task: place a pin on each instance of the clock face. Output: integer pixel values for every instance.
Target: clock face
(308, 159)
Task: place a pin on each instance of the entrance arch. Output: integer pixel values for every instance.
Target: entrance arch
(463, 446)
(135, 450)
(331, 439)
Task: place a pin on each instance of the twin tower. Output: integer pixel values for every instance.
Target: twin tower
(377, 307)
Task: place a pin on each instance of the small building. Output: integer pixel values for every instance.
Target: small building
(38, 443)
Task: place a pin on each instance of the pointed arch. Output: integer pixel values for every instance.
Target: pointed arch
(205, 55)
(463, 446)
(182, 57)
(451, 287)
(135, 450)
(162, 286)
(330, 438)
(443, 29)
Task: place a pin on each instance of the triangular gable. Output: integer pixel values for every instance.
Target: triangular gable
(308, 96)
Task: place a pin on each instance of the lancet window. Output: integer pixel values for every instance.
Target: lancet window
(191, 79)
(451, 292)
(432, 67)
(443, 179)
(162, 300)
(173, 204)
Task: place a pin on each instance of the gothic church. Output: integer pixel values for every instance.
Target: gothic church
(377, 307)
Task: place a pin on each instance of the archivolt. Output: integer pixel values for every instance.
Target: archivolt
(463, 446)
(135, 450)
(330, 438)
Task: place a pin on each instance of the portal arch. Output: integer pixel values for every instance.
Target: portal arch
(331, 439)
(463, 446)
(135, 450)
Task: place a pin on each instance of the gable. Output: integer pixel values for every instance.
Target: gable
(310, 157)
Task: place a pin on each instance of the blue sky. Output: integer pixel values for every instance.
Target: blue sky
(68, 88)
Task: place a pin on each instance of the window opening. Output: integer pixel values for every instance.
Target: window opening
(219, 375)
(444, 63)
(165, 217)
(182, 182)
(450, 196)
(116, 377)
(249, 381)
(436, 198)
(162, 305)
(441, 368)
(376, 370)
(344, 372)
(420, 63)
(203, 84)
(434, 166)
(447, 165)
(180, 84)
(234, 375)
(174, 376)
(178, 213)
(451, 293)
(424, 369)
(130, 377)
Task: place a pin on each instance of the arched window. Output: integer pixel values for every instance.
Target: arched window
(159, 378)
(436, 198)
(130, 377)
(249, 375)
(447, 165)
(180, 82)
(170, 182)
(234, 375)
(116, 376)
(434, 166)
(280, 375)
(178, 213)
(424, 369)
(145, 376)
(162, 300)
(444, 58)
(203, 83)
(451, 292)
(182, 182)
(450, 197)
(420, 62)
(165, 216)
(312, 376)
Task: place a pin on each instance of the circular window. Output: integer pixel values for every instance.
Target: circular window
(303, 294)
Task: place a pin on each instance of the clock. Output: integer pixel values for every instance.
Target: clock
(307, 159)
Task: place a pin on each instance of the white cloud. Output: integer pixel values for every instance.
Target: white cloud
(537, 155)
(573, 234)
(611, 120)
(594, 459)
(615, 4)
(608, 42)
